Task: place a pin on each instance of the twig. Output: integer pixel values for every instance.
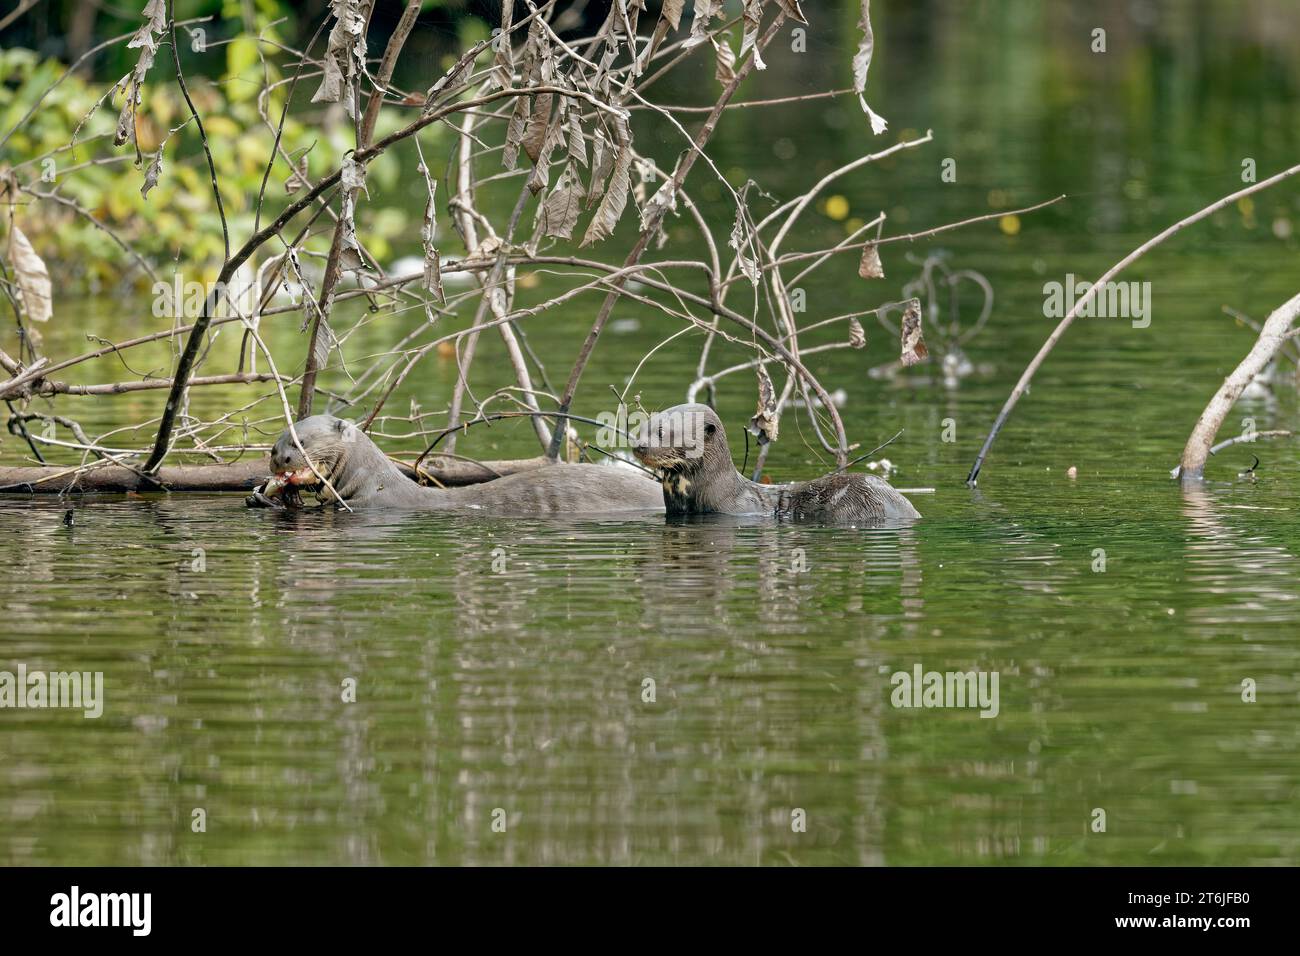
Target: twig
(1022, 385)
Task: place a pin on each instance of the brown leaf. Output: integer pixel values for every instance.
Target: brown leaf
(538, 124)
(765, 424)
(560, 211)
(156, 13)
(705, 10)
(152, 173)
(672, 12)
(577, 144)
(126, 119)
(862, 63)
(554, 139)
(503, 64)
(33, 278)
(611, 207)
(331, 84)
(298, 178)
(870, 267)
(325, 341)
(515, 132)
(857, 335)
(724, 70)
(912, 350)
(428, 235)
(602, 162)
(752, 15)
(741, 240)
(791, 8)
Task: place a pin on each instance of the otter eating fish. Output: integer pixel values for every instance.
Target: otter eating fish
(687, 447)
(345, 465)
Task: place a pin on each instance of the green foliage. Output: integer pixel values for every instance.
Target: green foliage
(178, 221)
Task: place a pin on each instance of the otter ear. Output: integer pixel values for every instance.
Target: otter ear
(710, 428)
(340, 425)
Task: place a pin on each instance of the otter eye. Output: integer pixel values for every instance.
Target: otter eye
(709, 428)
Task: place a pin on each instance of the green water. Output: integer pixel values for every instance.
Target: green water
(500, 666)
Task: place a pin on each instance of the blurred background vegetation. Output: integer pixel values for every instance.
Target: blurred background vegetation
(1216, 80)
(227, 73)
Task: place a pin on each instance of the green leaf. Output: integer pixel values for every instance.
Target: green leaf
(244, 67)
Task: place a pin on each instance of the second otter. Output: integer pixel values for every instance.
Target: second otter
(687, 446)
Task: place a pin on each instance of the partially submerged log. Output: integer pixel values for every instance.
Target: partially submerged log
(241, 476)
(1271, 338)
(47, 479)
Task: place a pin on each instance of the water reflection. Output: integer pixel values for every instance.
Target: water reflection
(1233, 553)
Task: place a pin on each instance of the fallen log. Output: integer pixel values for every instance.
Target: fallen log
(240, 476)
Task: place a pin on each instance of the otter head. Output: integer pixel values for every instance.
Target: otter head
(682, 444)
(327, 441)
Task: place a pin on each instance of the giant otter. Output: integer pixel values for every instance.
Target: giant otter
(362, 476)
(687, 446)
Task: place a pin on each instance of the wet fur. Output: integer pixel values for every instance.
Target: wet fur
(687, 446)
(364, 477)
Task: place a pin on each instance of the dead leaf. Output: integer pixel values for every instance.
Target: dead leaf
(765, 424)
(791, 9)
(503, 64)
(152, 173)
(538, 125)
(560, 211)
(857, 334)
(577, 144)
(515, 132)
(353, 180)
(752, 15)
(344, 55)
(658, 206)
(724, 70)
(428, 233)
(602, 163)
(554, 139)
(298, 178)
(126, 120)
(324, 344)
(870, 267)
(672, 12)
(741, 241)
(33, 278)
(331, 84)
(861, 63)
(611, 207)
(912, 350)
(705, 10)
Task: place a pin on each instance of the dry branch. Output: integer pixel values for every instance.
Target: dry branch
(1271, 338)
(1022, 385)
(565, 103)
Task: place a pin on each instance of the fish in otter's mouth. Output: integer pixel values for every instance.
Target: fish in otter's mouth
(309, 456)
(285, 489)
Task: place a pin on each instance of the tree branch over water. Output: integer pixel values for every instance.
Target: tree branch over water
(548, 102)
(1022, 386)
